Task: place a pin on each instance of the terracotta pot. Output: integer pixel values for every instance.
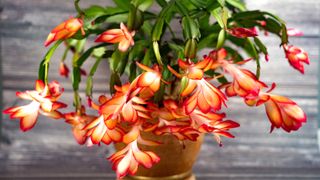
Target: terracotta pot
(176, 159)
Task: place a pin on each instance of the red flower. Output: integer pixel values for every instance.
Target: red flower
(296, 57)
(121, 36)
(243, 32)
(64, 70)
(43, 100)
(65, 30)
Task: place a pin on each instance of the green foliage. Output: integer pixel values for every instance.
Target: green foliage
(201, 24)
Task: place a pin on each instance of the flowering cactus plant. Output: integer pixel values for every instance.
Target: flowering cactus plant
(169, 87)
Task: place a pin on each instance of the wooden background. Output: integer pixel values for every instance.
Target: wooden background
(49, 151)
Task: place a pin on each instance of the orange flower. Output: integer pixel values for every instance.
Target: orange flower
(296, 57)
(124, 106)
(65, 30)
(149, 81)
(205, 96)
(219, 54)
(103, 130)
(121, 36)
(180, 132)
(194, 71)
(78, 122)
(245, 83)
(64, 70)
(282, 111)
(127, 160)
(171, 119)
(243, 32)
(212, 123)
(215, 57)
(43, 100)
(98, 130)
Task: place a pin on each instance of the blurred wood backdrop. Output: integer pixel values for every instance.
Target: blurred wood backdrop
(50, 152)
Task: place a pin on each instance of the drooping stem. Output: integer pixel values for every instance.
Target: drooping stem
(65, 53)
(77, 102)
(76, 78)
(78, 9)
(44, 65)
(258, 68)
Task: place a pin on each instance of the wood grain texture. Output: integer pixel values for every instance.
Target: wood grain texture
(49, 151)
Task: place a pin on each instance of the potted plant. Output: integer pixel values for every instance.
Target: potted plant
(164, 96)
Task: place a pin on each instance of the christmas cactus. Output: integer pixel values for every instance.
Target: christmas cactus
(159, 83)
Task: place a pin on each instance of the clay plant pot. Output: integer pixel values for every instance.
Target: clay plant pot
(176, 162)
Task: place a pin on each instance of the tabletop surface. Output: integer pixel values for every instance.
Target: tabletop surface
(49, 151)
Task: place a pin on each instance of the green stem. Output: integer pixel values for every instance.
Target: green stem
(65, 53)
(77, 101)
(44, 66)
(258, 68)
(78, 9)
(90, 77)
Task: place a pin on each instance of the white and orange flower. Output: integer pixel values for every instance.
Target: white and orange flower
(65, 30)
(43, 100)
(122, 36)
(100, 131)
(127, 160)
